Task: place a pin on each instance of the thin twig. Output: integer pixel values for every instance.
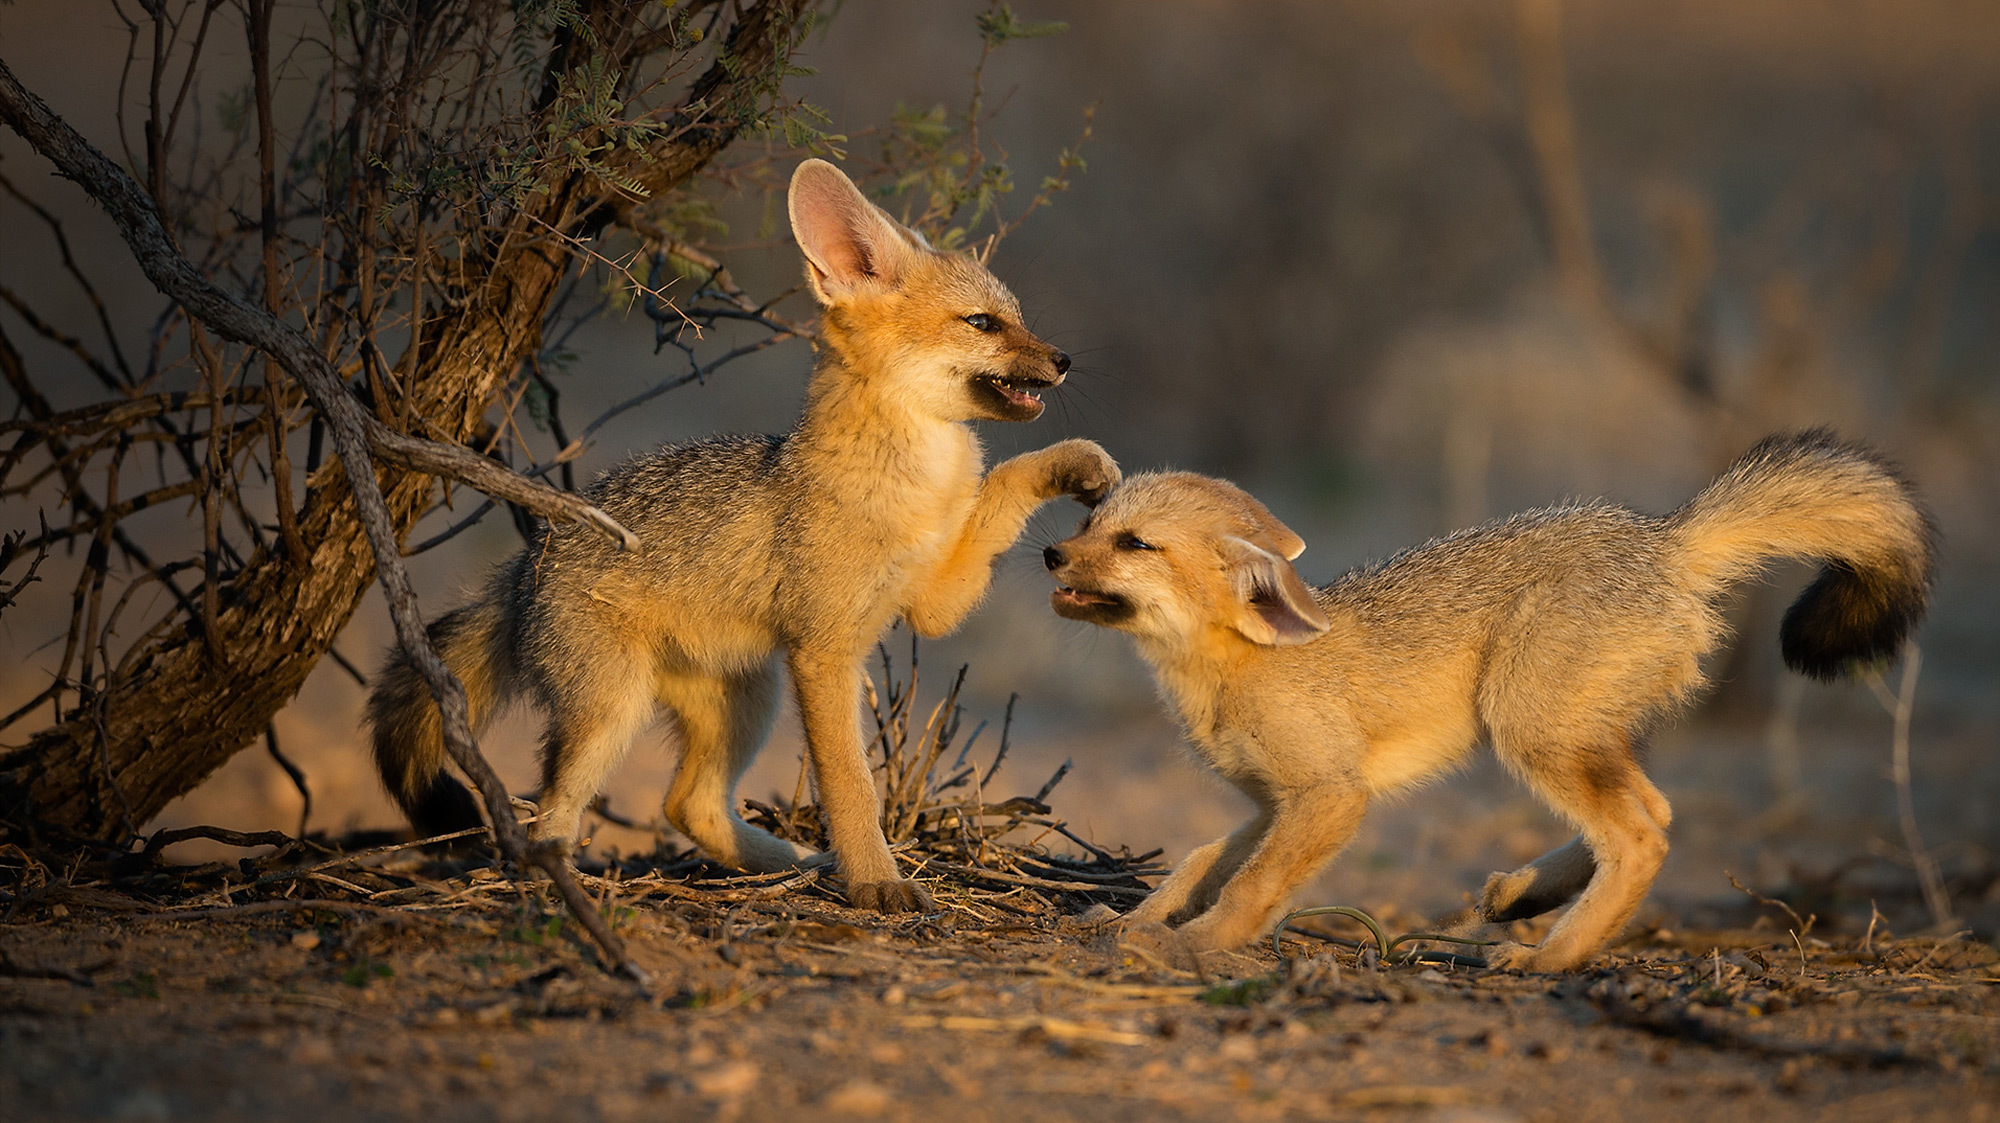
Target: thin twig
(1901, 706)
(1801, 928)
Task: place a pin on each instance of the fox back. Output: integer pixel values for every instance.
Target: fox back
(1558, 635)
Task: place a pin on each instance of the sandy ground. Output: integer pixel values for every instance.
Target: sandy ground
(414, 990)
(784, 1001)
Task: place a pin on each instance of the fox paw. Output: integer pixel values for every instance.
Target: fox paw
(890, 896)
(1505, 897)
(1089, 920)
(1083, 470)
(1159, 947)
(1511, 956)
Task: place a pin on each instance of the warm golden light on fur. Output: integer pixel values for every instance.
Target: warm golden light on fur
(1558, 636)
(812, 543)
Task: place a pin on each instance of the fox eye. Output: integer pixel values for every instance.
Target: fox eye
(1134, 542)
(984, 322)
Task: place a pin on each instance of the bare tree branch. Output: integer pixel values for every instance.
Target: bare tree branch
(139, 222)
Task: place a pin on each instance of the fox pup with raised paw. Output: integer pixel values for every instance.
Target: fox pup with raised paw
(808, 543)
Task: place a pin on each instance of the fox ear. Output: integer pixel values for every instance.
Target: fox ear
(1274, 607)
(849, 242)
(1274, 535)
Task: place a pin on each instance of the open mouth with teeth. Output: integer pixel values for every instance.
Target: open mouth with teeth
(1015, 395)
(1084, 604)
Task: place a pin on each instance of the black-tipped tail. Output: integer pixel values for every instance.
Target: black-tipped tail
(1813, 495)
(1849, 617)
(445, 807)
(409, 742)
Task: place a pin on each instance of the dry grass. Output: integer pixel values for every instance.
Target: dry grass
(990, 861)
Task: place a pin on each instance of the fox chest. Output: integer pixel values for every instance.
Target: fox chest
(913, 530)
(917, 515)
(1240, 755)
(1263, 747)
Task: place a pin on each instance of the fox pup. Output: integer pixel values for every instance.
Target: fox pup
(1559, 636)
(813, 542)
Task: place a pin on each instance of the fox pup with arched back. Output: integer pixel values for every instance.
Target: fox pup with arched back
(1559, 636)
(875, 506)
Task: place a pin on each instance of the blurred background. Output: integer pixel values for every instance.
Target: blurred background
(1397, 268)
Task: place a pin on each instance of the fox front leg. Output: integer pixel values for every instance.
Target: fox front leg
(1307, 828)
(1007, 496)
(1194, 884)
(829, 686)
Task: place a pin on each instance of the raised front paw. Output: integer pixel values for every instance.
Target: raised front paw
(890, 896)
(1081, 469)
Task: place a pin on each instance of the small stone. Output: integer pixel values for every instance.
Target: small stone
(493, 1013)
(145, 1104)
(861, 1098)
(727, 1082)
(305, 941)
(1238, 1048)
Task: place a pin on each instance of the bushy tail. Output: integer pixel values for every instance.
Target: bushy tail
(1813, 495)
(475, 642)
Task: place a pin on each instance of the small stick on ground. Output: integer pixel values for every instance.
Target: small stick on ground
(1800, 928)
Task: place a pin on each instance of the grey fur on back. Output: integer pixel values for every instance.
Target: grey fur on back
(510, 639)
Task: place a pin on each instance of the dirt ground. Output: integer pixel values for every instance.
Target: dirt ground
(404, 987)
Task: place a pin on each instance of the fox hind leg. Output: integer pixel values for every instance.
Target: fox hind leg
(723, 721)
(1549, 882)
(592, 720)
(1623, 819)
(1554, 879)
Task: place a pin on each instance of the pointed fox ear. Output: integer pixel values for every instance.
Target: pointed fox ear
(1274, 607)
(849, 242)
(1274, 535)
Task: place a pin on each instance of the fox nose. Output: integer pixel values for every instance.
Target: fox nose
(1062, 362)
(1053, 558)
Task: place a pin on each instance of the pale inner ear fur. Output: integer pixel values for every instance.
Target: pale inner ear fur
(1274, 605)
(848, 241)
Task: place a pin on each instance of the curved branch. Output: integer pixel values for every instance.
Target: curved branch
(353, 437)
(139, 222)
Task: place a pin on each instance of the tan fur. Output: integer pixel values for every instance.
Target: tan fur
(1558, 636)
(812, 544)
